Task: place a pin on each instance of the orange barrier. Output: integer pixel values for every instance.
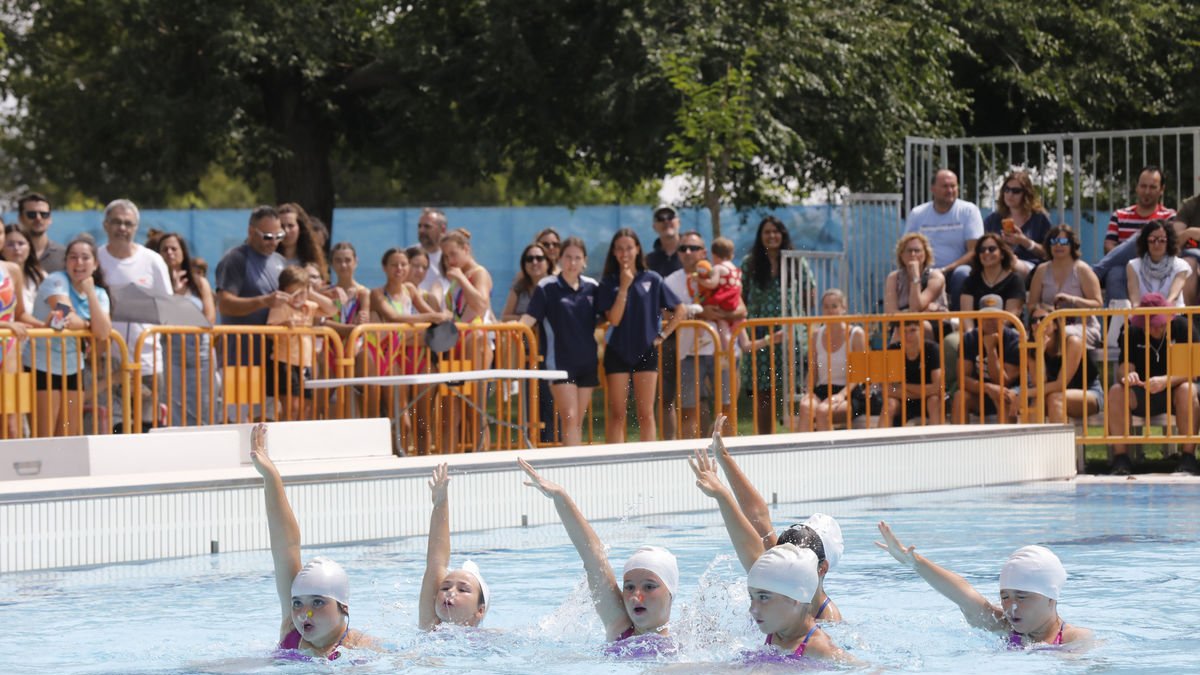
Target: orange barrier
(38, 400)
(1124, 419)
(785, 388)
(448, 418)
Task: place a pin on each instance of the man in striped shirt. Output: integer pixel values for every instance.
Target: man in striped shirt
(1120, 244)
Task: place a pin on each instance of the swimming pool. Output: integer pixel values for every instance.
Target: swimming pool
(220, 614)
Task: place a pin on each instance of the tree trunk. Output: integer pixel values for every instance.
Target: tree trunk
(302, 173)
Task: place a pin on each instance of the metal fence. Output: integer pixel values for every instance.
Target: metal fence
(1083, 177)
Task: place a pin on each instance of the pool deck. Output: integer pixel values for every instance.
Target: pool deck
(73, 521)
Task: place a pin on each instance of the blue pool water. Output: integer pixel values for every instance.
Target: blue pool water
(1131, 551)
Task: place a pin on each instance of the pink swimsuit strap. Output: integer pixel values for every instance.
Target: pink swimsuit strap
(803, 644)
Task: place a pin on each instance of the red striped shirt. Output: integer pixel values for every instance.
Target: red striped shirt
(1126, 222)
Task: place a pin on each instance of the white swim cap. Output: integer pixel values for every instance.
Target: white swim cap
(1034, 569)
(831, 536)
(322, 576)
(788, 570)
(471, 568)
(657, 560)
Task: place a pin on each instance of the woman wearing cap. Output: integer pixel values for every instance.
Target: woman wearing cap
(640, 606)
(748, 521)
(1143, 384)
(1158, 267)
(992, 273)
(781, 584)
(448, 596)
(315, 598)
(1030, 583)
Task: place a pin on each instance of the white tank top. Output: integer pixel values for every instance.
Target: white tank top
(831, 368)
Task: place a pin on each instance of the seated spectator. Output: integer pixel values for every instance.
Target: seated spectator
(1073, 389)
(922, 383)
(952, 227)
(1066, 282)
(1120, 240)
(1143, 392)
(1021, 221)
(991, 368)
(535, 266)
(992, 273)
(19, 251)
(831, 401)
(915, 285)
(1157, 269)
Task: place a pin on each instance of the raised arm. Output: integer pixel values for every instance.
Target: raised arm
(606, 594)
(746, 542)
(281, 523)
(437, 555)
(975, 608)
(754, 508)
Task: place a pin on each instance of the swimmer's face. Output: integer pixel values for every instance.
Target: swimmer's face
(458, 600)
(773, 612)
(317, 618)
(647, 601)
(1027, 612)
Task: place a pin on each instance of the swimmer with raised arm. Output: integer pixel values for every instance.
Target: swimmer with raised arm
(820, 533)
(640, 608)
(1030, 583)
(448, 596)
(315, 598)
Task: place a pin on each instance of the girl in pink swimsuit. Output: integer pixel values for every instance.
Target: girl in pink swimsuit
(315, 598)
(1030, 583)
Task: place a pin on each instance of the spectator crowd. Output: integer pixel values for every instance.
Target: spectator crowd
(624, 327)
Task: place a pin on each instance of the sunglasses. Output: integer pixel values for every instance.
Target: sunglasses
(1157, 240)
(664, 217)
(1060, 241)
(534, 258)
(278, 236)
(37, 214)
(988, 249)
(1014, 190)
(689, 248)
(548, 244)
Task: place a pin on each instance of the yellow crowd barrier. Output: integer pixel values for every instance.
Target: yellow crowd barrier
(61, 383)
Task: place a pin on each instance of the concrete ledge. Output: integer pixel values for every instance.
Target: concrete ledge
(320, 439)
(33, 461)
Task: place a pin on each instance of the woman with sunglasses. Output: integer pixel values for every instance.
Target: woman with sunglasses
(535, 266)
(1021, 221)
(1158, 267)
(1066, 282)
(551, 244)
(992, 273)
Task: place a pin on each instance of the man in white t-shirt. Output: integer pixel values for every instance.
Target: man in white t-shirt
(125, 262)
(696, 347)
(952, 226)
(430, 228)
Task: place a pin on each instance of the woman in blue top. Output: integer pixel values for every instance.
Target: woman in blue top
(632, 298)
(80, 286)
(564, 304)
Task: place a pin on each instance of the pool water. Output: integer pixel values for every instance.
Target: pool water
(1130, 550)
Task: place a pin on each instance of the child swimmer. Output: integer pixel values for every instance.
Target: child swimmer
(315, 599)
(1030, 583)
(448, 596)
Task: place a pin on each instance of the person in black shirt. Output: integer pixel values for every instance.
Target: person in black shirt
(1143, 385)
(922, 380)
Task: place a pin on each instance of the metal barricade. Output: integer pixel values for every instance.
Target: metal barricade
(782, 390)
(60, 383)
(1124, 412)
(703, 370)
(449, 416)
(239, 374)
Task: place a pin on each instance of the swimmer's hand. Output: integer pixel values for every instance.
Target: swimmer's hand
(905, 555)
(438, 482)
(705, 469)
(548, 488)
(718, 444)
(258, 451)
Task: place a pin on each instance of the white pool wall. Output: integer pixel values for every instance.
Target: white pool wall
(85, 521)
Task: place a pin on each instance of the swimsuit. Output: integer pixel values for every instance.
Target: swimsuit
(1017, 640)
(391, 356)
(289, 647)
(821, 609)
(803, 644)
(646, 646)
